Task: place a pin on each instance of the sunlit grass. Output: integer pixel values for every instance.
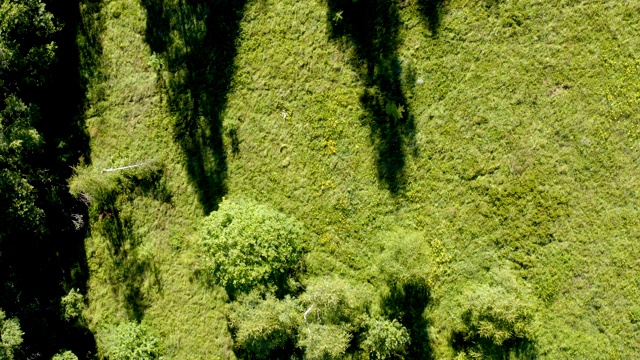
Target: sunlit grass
(519, 163)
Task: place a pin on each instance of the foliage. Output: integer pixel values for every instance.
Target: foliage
(247, 244)
(322, 341)
(128, 341)
(495, 318)
(264, 325)
(26, 52)
(72, 304)
(66, 355)
(26, 47)
(10, 336)
(20, 209)
(332, 300)
(385, 338)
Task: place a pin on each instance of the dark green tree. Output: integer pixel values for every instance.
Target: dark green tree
(37, 231)
(26, 51)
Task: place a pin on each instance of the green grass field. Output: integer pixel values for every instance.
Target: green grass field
(468, 142)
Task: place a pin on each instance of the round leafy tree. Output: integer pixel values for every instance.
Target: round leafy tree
(246, 244)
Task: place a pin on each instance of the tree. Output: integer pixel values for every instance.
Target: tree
(10, 336)
(26, 51)
(246, 245)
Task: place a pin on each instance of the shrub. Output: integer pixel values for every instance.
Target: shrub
(67, 355)
(72, 304)
(336, 301)
(324, 341)
(247, 244)
(264, 325)
(130, 341)
(385, 338)
(495, 318)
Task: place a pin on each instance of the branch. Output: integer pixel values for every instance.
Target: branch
(123, 168)
(305, 317)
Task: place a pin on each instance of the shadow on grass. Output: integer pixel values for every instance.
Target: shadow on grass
(407, 303)
(132, 273)
(371, 27)
(430, 11)
(196, 41)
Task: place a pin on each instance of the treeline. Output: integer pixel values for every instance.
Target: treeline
(41, 136)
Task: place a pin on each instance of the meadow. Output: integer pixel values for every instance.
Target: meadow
(441, 153)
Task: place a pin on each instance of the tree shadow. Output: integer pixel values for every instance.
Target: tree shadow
(407, 302)
(196, 43)
(129, 269)
(430, 11)
(371, 27)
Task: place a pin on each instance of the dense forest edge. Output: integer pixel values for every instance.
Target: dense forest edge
(325, 179)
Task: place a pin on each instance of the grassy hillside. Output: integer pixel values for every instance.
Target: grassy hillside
(480, 144)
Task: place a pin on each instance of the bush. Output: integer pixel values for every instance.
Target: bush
(324, 341)
(496, 318)
(67, 355)
(336, 301)
(130, 341)
(385, 338)
(264, 325)
(246, 245)
(72, 304)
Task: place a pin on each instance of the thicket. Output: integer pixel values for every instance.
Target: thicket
(255, 252)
